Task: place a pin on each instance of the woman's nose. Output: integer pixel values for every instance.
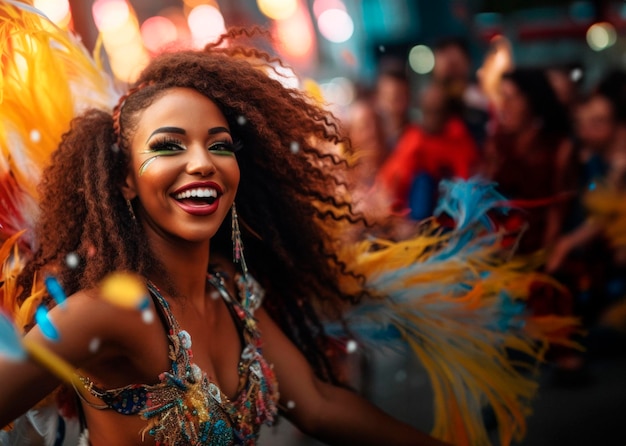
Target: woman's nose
(200, 161)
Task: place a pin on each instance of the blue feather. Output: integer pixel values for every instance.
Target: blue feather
(56, 290)
(10, 341)
(45, 324)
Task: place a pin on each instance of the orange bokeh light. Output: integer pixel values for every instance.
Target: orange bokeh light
(158, 31)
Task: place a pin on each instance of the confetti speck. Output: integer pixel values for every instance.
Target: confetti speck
(72, 260)
(576, 74)
(241, 120)
(291, 404)
(91, 251)
(94, 345)
(215, 295)
(35, 136)
(381, 48)
(147, 316)
(125, 290)
(351, 346)
(294, 147)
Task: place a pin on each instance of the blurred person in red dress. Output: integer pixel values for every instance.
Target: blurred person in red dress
(441, 147)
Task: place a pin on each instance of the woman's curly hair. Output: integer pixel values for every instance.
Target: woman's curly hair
(290, 189)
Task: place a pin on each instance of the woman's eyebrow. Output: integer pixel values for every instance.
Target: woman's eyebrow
(166, 130)
(216, 130)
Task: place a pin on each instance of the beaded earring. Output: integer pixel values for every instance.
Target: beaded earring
(237, 242)
(250, 290)
(131, 211)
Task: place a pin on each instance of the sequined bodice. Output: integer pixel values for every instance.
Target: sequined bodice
(186, 407)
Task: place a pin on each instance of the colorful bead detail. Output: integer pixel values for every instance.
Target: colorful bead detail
(185, 407)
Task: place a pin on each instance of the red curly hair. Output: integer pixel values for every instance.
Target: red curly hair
(284, 200)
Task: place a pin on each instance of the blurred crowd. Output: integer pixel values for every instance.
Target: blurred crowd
(539, 133)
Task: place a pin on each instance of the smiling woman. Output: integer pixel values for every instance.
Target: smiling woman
(181, 168)
(158, 178)
(169, 334)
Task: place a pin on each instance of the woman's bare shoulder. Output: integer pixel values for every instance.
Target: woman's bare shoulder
(87, 314)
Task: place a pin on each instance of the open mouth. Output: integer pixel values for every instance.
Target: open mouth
(197, 197)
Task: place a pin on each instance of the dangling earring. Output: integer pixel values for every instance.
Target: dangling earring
(131, 210)
(250, 291)
(237, 242)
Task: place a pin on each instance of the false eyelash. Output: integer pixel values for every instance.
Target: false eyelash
(164, 143)
(237, 145)
(228, 146)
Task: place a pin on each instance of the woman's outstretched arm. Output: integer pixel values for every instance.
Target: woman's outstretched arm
(83, 319)
(329, 413)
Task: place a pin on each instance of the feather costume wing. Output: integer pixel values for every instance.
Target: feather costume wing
(46, 78)
(457, 298)
(607, 206)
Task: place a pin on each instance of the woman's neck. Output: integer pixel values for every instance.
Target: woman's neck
(185, 267)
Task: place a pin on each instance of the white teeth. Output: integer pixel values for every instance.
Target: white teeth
(198, 193)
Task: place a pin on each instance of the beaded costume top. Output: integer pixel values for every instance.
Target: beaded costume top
(186, 407)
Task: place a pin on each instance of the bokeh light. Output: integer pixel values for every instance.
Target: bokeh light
(601, 36)
(285, 75)
(194, 3)
(179, 19)
(313, 89)
(339, 91)
(158, 31)
(421, 59)
(110, 14)
(277, 9)
(124, 34)
(319, 6)
(295, 39)
(127, 64)
(121, 39)
(206, 23)
(335, 25)
(58, 11)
